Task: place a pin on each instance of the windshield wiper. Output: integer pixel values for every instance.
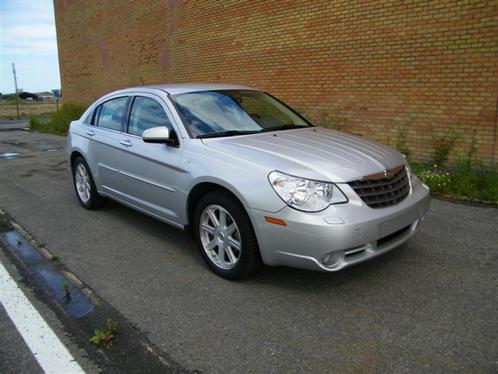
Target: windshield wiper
(246, 132)
(284, 127)
(226, 133)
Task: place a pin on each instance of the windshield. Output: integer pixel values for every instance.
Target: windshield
(234, 112)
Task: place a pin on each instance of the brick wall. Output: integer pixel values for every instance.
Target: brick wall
(392, 70)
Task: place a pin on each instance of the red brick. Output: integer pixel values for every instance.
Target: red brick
(379, 66)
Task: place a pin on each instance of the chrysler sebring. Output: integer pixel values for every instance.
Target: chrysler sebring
(251, 178)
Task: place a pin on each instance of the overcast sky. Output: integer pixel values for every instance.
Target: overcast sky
(27, 38)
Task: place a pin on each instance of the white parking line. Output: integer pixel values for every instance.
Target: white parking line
(51, 354)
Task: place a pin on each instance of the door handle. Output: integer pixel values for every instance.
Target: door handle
(90, 132)
(126, 143)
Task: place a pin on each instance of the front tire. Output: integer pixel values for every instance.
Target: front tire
(84, 185)
(225, 236)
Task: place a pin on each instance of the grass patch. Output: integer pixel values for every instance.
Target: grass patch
(4, 223)
(463, 181)
(105, 337)
(27, 109)
(58, 122)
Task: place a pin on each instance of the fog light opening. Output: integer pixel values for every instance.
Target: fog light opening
(332, 259)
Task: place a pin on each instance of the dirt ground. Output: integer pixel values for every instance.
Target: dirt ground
(26, 109)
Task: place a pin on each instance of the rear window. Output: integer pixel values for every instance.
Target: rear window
(111, 114)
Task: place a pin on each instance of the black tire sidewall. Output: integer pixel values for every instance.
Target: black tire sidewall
(95, 199)
(249, 259)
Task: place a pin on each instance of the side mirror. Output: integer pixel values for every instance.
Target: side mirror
(157, 135)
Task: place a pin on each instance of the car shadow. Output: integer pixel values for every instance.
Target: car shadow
(154, 228)
(275, 276)
(367, 272)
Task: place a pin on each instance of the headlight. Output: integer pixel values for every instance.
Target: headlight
(305, 194)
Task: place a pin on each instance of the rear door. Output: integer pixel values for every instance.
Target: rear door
(105, 135)
(150, 171)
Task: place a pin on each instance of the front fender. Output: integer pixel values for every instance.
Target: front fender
(245, 179)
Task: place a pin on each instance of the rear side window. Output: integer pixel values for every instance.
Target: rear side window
(111, 114)
(145, 114)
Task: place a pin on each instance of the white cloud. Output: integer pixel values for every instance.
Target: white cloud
(34, 38)
(28, 38)
(36, 41)
(35, 31)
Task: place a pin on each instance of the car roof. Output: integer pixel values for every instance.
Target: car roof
(178, 88)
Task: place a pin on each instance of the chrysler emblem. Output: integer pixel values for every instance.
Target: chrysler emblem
(387, 173)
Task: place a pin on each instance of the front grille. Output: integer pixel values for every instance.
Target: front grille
(380, 192)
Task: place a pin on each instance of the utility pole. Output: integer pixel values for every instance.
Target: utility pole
(15, 84)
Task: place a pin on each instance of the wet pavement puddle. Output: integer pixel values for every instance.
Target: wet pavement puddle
(9, 155)
(73, 301)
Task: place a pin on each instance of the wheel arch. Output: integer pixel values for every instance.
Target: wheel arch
(203, 187)
(74, 155)
(200, 190)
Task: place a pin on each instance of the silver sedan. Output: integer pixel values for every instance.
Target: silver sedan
(252, 179)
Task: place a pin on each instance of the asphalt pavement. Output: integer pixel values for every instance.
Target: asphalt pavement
(15, 355)
(430, 305)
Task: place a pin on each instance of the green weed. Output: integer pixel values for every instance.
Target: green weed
(402, 140)
(443, 145)
(105, 337)
(58, 122)
(333, 121)
(4, 222)
(463, 181)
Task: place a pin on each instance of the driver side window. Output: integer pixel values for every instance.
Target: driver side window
(145, 114)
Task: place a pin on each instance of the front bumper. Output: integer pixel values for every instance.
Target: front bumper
(340, 236)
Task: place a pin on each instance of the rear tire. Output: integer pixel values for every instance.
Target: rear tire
(225, 237)
(84, 186)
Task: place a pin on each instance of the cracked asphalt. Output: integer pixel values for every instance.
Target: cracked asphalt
(430, 305)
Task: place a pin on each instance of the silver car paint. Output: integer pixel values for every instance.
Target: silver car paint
(156, 179)
(313, 153)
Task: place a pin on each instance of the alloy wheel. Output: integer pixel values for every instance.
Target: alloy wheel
(82, 181)
(220, 237)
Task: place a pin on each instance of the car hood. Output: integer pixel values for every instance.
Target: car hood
(314, 153)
